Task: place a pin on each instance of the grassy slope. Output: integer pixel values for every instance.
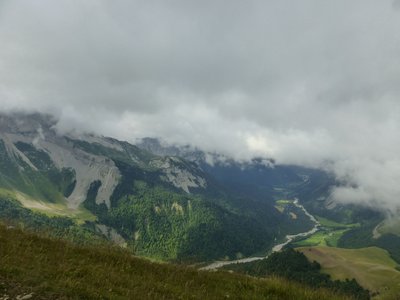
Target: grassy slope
(372, 267)
(53, 269)
(59, 209)
(79, 215)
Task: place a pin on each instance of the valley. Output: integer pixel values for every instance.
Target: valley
(278, 247)
(199, 150)
(92, 190)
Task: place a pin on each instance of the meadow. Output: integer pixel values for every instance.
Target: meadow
(372, 267)
(328, 235)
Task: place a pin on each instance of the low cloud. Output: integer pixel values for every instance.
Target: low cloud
(308, 82)
(396, 4)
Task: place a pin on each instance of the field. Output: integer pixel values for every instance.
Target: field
(322, 238)
(372, 267)
(328, 235)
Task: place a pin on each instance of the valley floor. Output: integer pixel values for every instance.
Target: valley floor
(276, 248)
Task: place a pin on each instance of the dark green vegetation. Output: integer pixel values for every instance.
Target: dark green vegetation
(168, 225)
(297, 221)
(295, 266)
(363, 237)
(53, 269)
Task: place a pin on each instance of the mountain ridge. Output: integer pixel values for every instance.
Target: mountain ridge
(165, 207)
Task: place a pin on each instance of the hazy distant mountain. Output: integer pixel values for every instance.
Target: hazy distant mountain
(260, 177)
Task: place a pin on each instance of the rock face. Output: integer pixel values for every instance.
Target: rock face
(88, 164)
(39, 132)
(181, 178)
(164, 149)
(88, 168)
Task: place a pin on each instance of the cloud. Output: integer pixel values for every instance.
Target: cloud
(396, 4)
(307, 82)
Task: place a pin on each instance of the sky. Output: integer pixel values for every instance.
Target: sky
(314, 83)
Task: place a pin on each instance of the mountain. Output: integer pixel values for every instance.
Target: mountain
(164, 207)
(347, 226)
(261, 178)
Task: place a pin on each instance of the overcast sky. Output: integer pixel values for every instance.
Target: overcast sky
(308, 82)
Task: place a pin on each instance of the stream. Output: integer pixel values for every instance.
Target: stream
(289, 238)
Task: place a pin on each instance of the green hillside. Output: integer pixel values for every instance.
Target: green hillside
(53, 269)
(372, 267)
(329, 233)
(166, 225)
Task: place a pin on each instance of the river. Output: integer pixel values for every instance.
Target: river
(289, 238)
